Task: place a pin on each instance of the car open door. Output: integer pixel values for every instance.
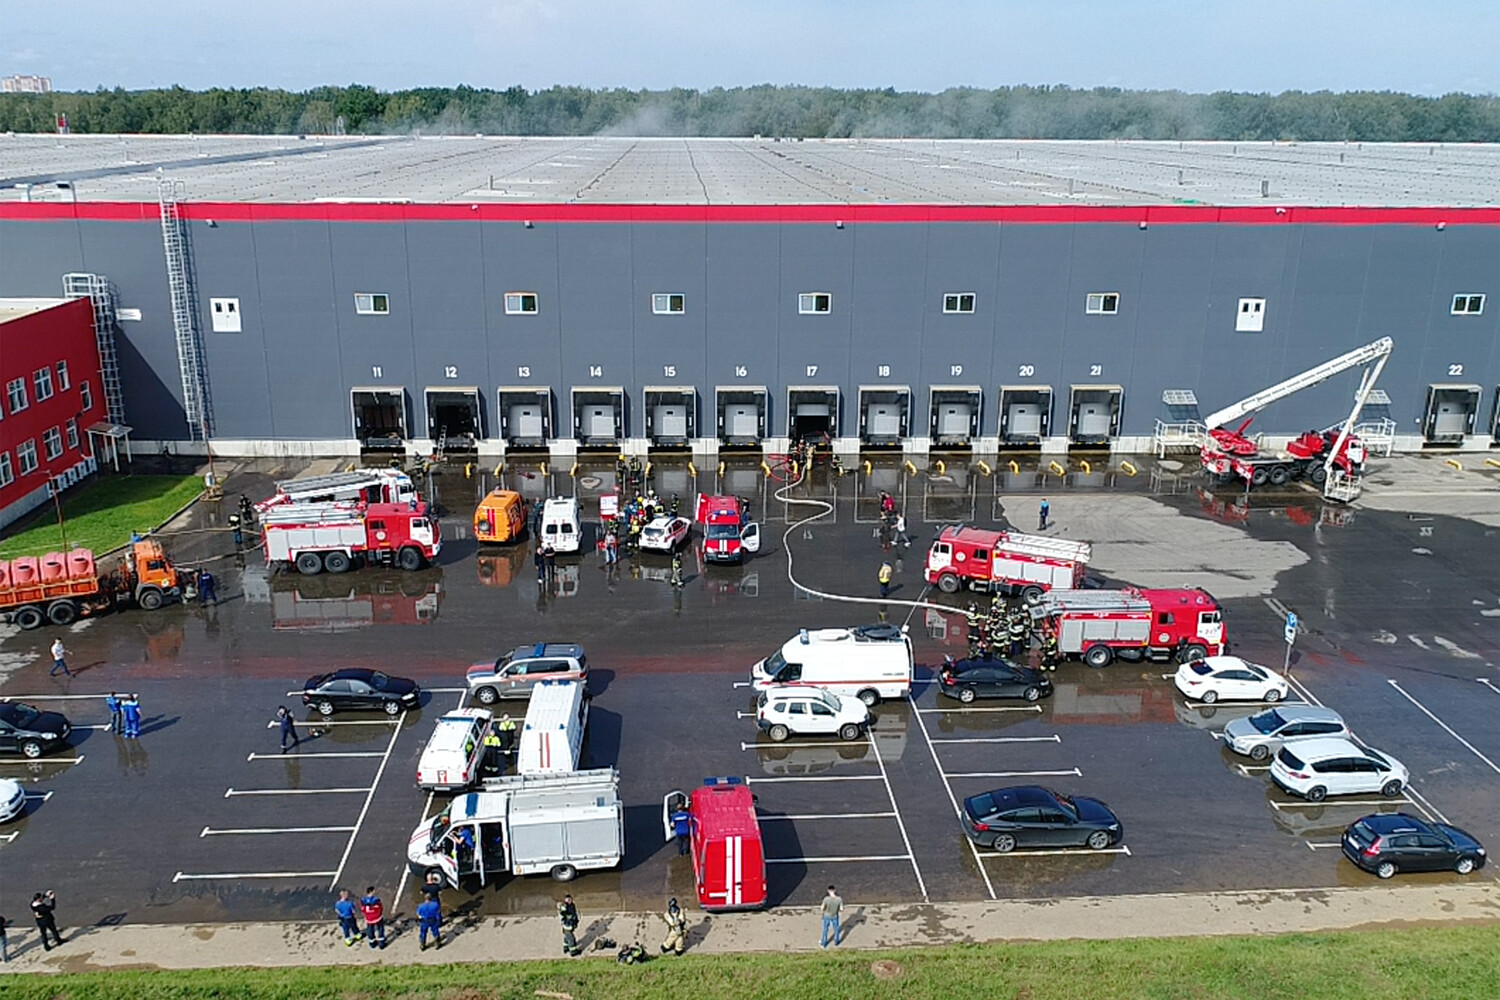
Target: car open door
(669, 805)
(750, 537)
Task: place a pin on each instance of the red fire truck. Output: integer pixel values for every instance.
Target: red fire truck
(729, 860)
(1132, 624)
(1007, 561)
(340, 536)
(728, 533)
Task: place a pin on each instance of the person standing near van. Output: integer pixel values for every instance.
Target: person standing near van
(884, 578)
(539, 559)
(430, 921)
(832, 906)
(348, 923)
(373, 911)
(682, 826)
(567, 915)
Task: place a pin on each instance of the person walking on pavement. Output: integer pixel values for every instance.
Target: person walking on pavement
(567, 915)
(676, 568)
(682, 827)
(902, 538)
(832, 905)
(348, 923)
(611, 547)
(207, 592)
(550, 554)
(288, 728)
(42, 906)
(116, 713)
(539, 558)
(374, 913)
(4, 942)
(676, 941)
(59, 658)
(1042, 512)
(884, 578)
(130, 708)
(430, 921)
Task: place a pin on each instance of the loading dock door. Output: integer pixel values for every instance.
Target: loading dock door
(1450, 414)
(741, 414)
(954, 419)
(884, 413)
(453, 415)
(1094, 413)
(1025, 413)
(525, 415)
(379, 417)
(812, 412)
(671, 414)
(599, 415)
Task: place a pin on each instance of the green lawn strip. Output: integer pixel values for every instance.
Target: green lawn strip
(101, 514)
(1433, 963)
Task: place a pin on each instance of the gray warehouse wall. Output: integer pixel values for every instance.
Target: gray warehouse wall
(302, 348)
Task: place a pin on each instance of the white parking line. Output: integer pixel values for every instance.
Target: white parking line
(55, 697)
(1356, 803)
(810, 861)
(948, 786)
(1245, 769)
(998, 708)
(426, 811)
(793, 746)
(1082, 852)
(921, 883)
(320, 723)
(208, 832)
(1488, 683)
(818, 777)
(305, 756)
(744, 715)
(8, 837)
(1321, 847)
(45, 760)
(44, 796)
(741, 684)
(1071, 772)
(778, 818)
(1054, 738)
(366, 807)
(184, 876)
(1426, 805)
(230, 793)
(1446, 728)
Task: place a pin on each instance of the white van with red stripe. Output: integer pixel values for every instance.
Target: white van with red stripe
(868, 662)
(551, 740)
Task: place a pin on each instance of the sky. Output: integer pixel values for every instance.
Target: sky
(1417, 46)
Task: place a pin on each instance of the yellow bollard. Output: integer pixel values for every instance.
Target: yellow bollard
(573, 472)
(499, 468)
(942, 467)
(468, 470)
(868, 467)
(648, 469)
(1129, 469)
(1454, 463)
(984, 468)
(765, 467)
(1057, 469)
(542, 467)
(350, 467)
(1088, 470)
(721, 467)
(911, 470)
(1492, 463)
(1015, 467)
(692, 470)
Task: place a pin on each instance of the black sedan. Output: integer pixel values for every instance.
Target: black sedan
(359, 688)
(27, 730)
(1387, 843)
(1032, 816)
(970, 679)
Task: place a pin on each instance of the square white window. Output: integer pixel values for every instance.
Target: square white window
(668, 303)
(520, 303)
(1251, 316)
(26, 457)
(72, 434)
(42, 379)
(1468, 305)
(15, 395)
(52, 443)
(64, 383)
(1102, 303)
(815, 302)
(372, 303)
(85, 396)
(958, 302)
(225, 314)
(7, 474)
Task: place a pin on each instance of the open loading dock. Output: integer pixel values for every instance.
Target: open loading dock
(453, 417)
(379, 417)
(812, 412)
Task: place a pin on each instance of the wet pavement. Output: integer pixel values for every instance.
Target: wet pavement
(203, 819)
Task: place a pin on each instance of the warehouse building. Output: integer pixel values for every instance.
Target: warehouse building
(291, 295)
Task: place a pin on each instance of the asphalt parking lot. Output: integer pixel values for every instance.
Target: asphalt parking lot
(204, 819)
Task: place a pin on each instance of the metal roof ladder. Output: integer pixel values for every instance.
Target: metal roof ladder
(180, 282)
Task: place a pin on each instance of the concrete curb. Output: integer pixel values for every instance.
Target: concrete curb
(880, 926)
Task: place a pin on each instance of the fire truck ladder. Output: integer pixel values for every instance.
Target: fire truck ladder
(180, 282)
(99, 290)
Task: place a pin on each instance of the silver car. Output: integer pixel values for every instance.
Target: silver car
(1262, 734)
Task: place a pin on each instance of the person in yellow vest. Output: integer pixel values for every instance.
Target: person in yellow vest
(506, 728)
(676, 929)
(884, 578)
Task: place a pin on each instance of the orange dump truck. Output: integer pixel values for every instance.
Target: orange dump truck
(61, 587)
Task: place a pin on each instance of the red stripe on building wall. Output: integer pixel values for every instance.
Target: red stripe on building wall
(766, 214)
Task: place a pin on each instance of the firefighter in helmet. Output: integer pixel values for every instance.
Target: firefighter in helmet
(976, 637)
(1051, 656)
(1020, 633)
(676, 922)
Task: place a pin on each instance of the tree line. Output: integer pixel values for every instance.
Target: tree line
(799, 112)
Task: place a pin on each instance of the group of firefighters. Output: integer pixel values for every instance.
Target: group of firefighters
(634, 515)
(1006, 630)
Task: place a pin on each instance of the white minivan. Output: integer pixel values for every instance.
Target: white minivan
(868, 662)
(454, 753)
(551, 739)
(560, 525)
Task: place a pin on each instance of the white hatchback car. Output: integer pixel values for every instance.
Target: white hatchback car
(12, 799)
(665, 533)
(809, 711)
(1316, 769)
(1230, 678)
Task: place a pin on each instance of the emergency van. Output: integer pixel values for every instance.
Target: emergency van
(868, 662)
(455, 751)
(560, 525)
(729, 859)
(551, 738)
(500, 517)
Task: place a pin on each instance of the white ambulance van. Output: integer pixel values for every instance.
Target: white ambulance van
(551, 739)
(560, 525)
(868, 662)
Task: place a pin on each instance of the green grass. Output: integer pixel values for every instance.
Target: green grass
(1430, 963)
(101, 514)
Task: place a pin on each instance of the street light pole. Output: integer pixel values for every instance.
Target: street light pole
(62, 526)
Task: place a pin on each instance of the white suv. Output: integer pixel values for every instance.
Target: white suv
(804, 711)
(1318, 768)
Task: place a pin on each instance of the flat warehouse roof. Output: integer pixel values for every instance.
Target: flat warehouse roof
(625, 171)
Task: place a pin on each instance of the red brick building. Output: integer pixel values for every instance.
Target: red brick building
(51, 392)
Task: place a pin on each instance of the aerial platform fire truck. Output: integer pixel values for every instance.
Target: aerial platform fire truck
(1132, 624)
(1331, 459)
(337, 537)
(359, 486)
(1005, 561)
